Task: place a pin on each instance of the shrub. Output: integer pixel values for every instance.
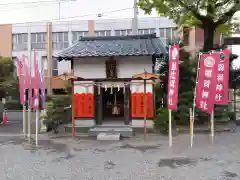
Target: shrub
(56, 111)
(161, 122)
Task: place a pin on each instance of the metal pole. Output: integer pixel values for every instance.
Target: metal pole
(135, 18)
(30, 86)
(37, 121)
(170, 127)
(24, 118)
(194, 98)
(59, 10)
(235, 105)
(191, 125)
(212, 126)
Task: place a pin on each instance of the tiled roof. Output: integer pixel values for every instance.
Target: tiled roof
(139, 45)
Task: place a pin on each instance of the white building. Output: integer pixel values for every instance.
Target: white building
(62, 34)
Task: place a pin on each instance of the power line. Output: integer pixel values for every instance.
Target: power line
(73, 17)
(31, 2)
(7, 7)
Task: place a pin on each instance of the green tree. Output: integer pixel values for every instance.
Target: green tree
(209, 15)
(7, 80)
(57, 111)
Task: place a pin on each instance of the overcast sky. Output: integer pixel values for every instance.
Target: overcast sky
(18, 11)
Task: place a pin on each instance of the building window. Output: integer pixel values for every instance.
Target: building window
(54, 67)
(60, 40)
(111, 68)
(146, 31)
(20, 42)
(38, 40)
(166, 34)
(76, 35)
(103, 33)
(124, 32)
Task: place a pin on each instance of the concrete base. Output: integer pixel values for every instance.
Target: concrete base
(238, 122)
(139, 123)
(124, 131)
(43, 127)
(79, 129)
(85, 122)
(108, 137)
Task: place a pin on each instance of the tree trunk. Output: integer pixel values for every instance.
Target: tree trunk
(208, 37)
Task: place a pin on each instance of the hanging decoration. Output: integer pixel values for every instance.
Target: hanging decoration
(99, 89)
(111, 89)
(124, 88)
(115, 110)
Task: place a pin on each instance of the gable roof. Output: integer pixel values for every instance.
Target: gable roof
(138, 45)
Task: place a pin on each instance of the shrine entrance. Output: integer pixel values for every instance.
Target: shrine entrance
(112, 102)
(113, 105)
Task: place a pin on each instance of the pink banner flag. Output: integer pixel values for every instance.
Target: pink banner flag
(42, 87)
(173, 77)
(206, 82)
(222, 76)
(26, 70)
(21, 77)
(36, 83)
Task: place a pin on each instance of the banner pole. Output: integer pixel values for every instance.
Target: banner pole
(194, 99)
(37, 120)
(170, 127)
(24, 119)
(212, 126)
(190, 125)
(30, 83)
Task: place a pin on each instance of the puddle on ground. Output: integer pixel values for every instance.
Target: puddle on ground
(42, 145)
(142, 148)
(229, 175)
(62, 158)
(205, 159)
(109, 165)
(177, 162)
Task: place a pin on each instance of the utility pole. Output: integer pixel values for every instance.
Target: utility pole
(49, 58)
(135, 18)
(30, 73)
(59, 7)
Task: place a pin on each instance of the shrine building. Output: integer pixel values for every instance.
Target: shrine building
(109, 73)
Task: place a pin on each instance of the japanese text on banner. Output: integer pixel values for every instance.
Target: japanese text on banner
(173, 77)
(206, 82)
(222, 77)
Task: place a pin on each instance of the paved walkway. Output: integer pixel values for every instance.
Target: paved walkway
(133, 159)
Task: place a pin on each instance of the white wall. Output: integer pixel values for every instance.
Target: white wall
(127, 67)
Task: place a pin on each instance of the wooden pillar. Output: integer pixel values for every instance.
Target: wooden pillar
(73, 107)
(98, 105)
(127, 105)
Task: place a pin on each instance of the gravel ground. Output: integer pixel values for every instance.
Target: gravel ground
(132, 159)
